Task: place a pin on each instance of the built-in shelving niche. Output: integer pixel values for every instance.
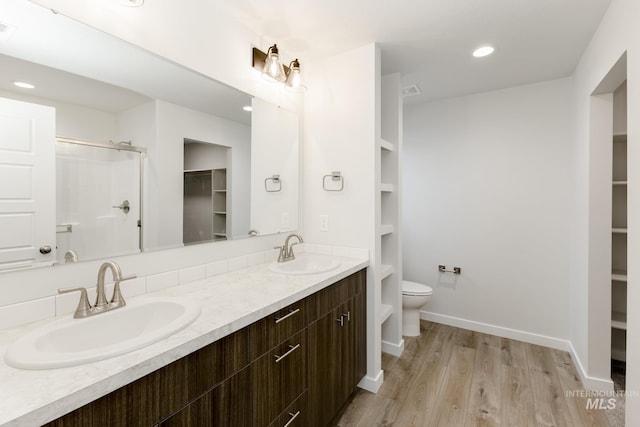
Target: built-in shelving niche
(619, 228)
(389, 259)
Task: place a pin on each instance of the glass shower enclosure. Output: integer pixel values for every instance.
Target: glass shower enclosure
(98, 199)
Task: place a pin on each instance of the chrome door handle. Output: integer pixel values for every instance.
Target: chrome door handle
(125, 206)
(291, 313)
(292, 348)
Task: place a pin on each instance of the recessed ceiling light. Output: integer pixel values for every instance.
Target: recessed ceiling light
(483, 51)
(247, 108)
(24, 85)
(6, 30)
(131, 3)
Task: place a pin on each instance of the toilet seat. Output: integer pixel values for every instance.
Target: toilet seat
(415, 289)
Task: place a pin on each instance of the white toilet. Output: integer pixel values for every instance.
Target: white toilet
(414, 296)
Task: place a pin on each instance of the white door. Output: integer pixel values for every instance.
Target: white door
(27, 184)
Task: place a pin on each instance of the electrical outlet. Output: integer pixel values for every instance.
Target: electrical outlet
(324, 222)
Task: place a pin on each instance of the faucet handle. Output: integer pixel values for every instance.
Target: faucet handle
(83, 305)
(117, 299)
(282, 255)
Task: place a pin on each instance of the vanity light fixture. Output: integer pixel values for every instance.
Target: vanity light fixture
(294, 81)
(274, 71)
(483, 51)
(24, 85)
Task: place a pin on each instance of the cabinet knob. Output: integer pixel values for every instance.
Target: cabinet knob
(46, 249)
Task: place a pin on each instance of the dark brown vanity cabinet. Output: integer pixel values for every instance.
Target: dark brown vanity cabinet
(337, 348)
(202, 376)
(294, 368)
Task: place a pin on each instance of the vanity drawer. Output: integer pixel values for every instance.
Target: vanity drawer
(269, 332)
(278, 378)
(296, 415)
(228, 404)
(333, 296)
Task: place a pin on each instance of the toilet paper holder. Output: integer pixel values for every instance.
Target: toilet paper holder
(455, 270)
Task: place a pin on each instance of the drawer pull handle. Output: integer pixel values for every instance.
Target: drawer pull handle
(340, 320)
(293, 417)
(291, 313)
(292, 348)
(348, 316)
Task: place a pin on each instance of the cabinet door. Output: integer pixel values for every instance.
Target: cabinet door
(228, 404)
(279, 377)
(325, 367)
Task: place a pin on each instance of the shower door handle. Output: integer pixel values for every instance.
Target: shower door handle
(125, 206)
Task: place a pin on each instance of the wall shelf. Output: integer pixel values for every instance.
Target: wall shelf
(386, 188)
(386, 229)
(386, 311)
(619, 320)
(619, 182)
(385, 271)
(619, 230)
(386, 145)
(619, 277)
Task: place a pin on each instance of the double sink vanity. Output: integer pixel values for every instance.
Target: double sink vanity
(273, 344)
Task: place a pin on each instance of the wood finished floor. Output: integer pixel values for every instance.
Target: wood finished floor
(450, 377)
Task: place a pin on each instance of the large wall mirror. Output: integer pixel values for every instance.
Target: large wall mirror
(143, 154)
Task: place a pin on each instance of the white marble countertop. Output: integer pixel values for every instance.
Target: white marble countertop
(229, 302)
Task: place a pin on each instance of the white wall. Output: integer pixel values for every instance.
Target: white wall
(166, 167)
(275, 150)
(74, 121)
(618, 32)
(340, 135)
(486, 189)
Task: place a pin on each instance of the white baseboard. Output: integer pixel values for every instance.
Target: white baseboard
(393, 349)
(589, 383)
(500, 331)
(372, 384)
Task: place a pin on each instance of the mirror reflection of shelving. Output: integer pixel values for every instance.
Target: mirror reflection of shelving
(205, 203)
(619, 229)
(219, 194)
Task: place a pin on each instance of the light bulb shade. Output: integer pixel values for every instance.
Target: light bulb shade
(273, 69)
(294, 79)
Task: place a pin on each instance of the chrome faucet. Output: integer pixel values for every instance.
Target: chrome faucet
(85, 309)
(286, 251)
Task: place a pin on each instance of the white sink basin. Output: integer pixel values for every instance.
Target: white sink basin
(70, 342)
(306, 264)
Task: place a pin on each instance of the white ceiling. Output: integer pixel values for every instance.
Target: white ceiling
(430, 41)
